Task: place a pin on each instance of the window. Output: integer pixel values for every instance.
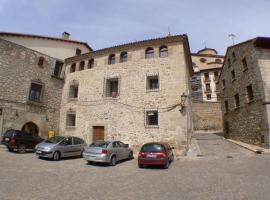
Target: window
(223, 84)
(77, 140)
(236, 101)
(233, 75)
(58, 68)
(152, 83)
(208, 97)
(152, 118)
(244, 63)
(73, 90)
(78, 51)
(112, 89)
(123, 57)
(207, 88)
(250, 95)
(41, 61)
(111, 59)
(71, 119)
(233, 56)
(73, 68)
(216, 75)
(81, 66)
(91, 63)
(206, 77)
(226, 104)
(216, 84)
(202, 60)
(35, 92)
(149, 53)
(163, 52)
(218, 60)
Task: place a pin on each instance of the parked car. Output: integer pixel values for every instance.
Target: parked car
(155, 154)
(60, 146)
(107, 152)
(20, 140)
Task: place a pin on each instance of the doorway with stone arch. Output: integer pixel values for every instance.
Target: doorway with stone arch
(30, 127)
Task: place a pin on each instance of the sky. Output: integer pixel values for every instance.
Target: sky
(105, 23)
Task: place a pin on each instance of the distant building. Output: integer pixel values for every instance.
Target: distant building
(130, 92)
(60, 48)
(31, 89)
(245, 90)
(207, 65)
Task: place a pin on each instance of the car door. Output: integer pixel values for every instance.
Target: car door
(124, 151)
(77, 146)
(67, 147)
(116, 150)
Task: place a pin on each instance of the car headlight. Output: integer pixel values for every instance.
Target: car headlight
(47, 149)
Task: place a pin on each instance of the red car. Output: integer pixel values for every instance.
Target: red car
(155, 154)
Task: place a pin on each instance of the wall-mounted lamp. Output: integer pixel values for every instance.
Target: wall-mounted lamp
(183, 101)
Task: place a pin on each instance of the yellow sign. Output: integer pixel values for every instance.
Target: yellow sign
(51, 133)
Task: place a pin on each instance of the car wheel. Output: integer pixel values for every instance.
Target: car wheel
(130, 156)
(140, 165)
(56, 156)
(166, 166)
(113, 161)
(10, 149)
(21, 148)
(89, 162)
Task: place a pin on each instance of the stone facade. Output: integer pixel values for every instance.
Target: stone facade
(127, 114)
(244, 83)
(30, 91)
(207, 116)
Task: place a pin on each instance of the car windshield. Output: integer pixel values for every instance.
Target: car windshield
(54, 140)
(9, 133)
(152, 148)
(102, 144)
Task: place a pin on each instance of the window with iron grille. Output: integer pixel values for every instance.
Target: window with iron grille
(58, 68)
(73, 90)
(151, 118)
(207, 88)
(250, 94)
(152, 82)
(112, 87)
(35, 93)
(206, 77)
(163, 51)
(70, 120)
(236, 101)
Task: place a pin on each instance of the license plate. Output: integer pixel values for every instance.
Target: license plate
(151, 156)
(7, 139)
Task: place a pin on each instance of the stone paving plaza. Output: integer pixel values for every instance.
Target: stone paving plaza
(226, 171)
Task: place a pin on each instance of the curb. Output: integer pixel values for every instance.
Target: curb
(253, 148)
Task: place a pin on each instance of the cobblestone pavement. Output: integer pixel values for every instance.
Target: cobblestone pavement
(226, 171)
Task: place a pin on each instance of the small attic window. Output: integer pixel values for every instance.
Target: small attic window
(41, 61)
(203, 60)
(218, 60)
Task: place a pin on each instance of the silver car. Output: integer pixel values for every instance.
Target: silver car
(59, 147)
(107, 152)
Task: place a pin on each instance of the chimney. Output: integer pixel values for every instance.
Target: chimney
(65, 35)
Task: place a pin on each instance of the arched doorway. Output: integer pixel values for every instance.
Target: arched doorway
(31, 128)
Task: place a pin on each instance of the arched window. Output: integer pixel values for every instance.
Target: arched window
(111, 59)
(218, 60)
(41, 61)
(123, 57)
(203, 60)
(149, 53)
(73, 68)
(81, 65)
(163, 51)
(90, 63)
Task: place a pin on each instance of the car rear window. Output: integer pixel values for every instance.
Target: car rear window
(9, 133)
(54, 140)
(102, 144)
(152, 148)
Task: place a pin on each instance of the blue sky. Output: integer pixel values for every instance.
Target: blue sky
(104, 23)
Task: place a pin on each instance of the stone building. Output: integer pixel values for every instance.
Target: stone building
(207, 65)
(130, 92)
(245, 91)
(60, 48)
(31, 87)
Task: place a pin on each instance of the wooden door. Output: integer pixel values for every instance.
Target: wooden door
(98, 133)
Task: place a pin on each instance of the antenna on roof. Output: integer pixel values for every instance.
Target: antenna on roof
(204, 44)
(232, 36)
(169, 32)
